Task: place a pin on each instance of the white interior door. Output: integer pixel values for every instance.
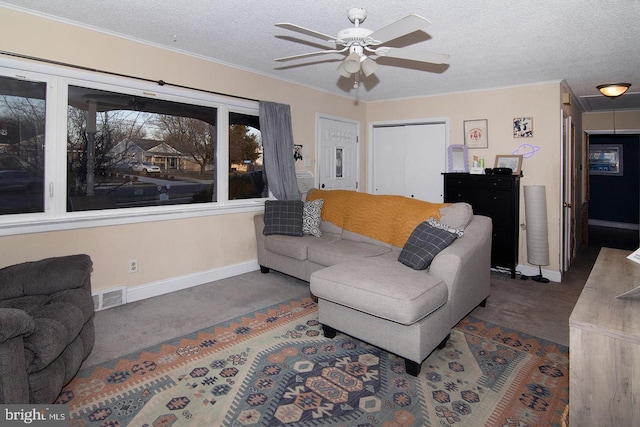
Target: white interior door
(409, 159)
(338, 159)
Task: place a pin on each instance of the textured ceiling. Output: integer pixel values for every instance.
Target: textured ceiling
(492, 43)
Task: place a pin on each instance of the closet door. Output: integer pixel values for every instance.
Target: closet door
(388, 160)
(425, 160)
(409, 159)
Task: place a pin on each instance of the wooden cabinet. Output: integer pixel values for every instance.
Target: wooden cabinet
(604, 344)
(495, 196)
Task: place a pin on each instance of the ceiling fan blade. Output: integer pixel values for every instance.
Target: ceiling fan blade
(412, 55)
(404, 26)
(304, 55)
(312, 33)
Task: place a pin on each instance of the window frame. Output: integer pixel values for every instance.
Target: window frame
(55, 216)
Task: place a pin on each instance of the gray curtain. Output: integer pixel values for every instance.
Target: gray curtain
(277, 141)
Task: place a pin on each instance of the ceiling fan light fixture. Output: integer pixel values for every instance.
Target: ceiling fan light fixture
(342, 71)
(356, 40)
(368, 66)
(613, 90)
(352, 63)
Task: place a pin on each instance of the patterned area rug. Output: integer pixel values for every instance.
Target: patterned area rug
(275, 367)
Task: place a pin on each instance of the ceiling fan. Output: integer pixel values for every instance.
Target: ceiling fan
(357, 41)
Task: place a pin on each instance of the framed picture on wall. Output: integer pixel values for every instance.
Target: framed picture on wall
(605, 159)
(523, 127)
(475, 134)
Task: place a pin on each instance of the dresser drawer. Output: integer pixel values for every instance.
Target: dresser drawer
(480, 181)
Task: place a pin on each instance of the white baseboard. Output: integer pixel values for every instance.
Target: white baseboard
(533, 270)
(183, 282)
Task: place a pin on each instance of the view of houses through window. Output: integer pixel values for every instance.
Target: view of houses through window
(22, 132)
(124, 151)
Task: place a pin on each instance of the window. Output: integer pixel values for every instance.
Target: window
(22, 127)
(74, 144)
(128, 151)
(246, 175)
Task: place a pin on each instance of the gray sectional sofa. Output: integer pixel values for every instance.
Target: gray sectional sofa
(362, 288)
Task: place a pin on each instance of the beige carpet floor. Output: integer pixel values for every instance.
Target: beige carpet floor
(538, 309)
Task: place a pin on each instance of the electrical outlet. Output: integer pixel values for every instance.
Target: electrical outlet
(133, 266)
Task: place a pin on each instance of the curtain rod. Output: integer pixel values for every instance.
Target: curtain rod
(112, 73)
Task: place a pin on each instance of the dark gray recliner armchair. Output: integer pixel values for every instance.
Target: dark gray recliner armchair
(46, 326)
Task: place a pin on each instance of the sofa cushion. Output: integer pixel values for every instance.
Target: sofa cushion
(457, 215)
(343, 250)
(296, 247)
(283, 217)
(329, 227)
(382, 288)
(311, 217)
(355, 237)
(423, 245)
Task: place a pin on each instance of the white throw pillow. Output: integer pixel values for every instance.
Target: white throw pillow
(311, 215)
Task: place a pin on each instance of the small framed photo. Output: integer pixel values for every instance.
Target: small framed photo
(512, 161)
(523, 127)
(475, 134)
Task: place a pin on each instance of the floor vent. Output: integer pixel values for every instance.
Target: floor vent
(110, 298)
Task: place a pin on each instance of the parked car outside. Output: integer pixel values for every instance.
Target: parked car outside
(144, 168)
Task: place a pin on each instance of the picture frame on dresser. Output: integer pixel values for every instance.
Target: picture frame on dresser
(511, 161)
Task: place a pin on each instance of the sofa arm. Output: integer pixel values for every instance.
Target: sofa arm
(13, 323)
(14, 385)
(46, 276)
(465, 266)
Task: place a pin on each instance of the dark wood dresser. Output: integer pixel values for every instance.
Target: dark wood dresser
(495, 196)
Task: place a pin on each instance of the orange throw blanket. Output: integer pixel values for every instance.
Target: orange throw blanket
(390, 219)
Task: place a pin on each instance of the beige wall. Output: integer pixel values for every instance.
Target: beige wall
(164, 249)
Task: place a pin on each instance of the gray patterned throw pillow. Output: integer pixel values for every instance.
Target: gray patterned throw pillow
(311, 217)
(423, 245)
(435, 223)
(283, 217)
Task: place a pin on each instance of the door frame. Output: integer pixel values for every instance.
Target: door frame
(403, 122)
(567, 190)
(318, 148)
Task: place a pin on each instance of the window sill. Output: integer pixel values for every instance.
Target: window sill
(104, 218)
